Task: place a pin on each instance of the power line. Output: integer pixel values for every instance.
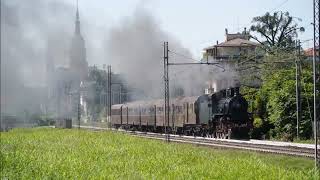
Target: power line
(284, 2)
(182, 55)
(306, 40)
(193, 59)
(275, 8)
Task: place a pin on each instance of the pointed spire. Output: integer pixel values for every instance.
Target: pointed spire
(77, 10)
(77, 28)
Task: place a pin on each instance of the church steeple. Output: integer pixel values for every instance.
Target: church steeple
(78, 63)
(77, 27)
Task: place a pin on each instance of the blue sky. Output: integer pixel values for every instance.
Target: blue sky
(197, 24)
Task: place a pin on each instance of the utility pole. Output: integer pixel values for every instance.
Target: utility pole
(79, 108)
(316, 78)
(120, 94)
(166, 88)
(109, 93)
(298, 86)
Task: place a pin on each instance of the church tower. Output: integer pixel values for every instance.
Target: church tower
(78, 63)
(50, 66)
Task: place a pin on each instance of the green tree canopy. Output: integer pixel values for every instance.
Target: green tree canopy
(275, 103)
(277, 30)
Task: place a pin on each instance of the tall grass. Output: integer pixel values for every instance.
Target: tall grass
(78, 154)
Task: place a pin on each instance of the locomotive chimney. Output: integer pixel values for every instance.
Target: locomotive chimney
(237, 91)
(232, 92)
(229, 92)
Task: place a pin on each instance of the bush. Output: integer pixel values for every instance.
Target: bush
(260, 128)
(274, 105)
(257, 122)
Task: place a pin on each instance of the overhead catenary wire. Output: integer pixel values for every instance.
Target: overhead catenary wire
(273, 9)
(196, 61)
(278, 6)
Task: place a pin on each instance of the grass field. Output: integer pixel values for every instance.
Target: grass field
(45, 153)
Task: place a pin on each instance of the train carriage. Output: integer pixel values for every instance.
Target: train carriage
(125, 115)
(159, 113)
(152, 115)
(116, 111)
(147, 114)
(216, 114)
(133, 114)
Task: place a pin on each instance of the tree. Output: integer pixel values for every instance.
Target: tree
(277, 30)
(95, 100)
(274, 104)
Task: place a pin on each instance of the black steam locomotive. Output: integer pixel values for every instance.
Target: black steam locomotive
(222, 115)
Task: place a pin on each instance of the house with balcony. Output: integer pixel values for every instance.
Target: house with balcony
(235, 51)
(234, 48)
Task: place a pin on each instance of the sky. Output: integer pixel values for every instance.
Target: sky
(197, 24)
(123, 33)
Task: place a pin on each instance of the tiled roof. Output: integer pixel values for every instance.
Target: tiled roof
(234, 43)
(309, 52)
(237, 42)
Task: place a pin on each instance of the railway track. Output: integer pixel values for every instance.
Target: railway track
(275, 147)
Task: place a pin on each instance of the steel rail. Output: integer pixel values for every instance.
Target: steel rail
(274, 148)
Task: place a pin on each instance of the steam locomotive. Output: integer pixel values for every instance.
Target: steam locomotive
(223, 114)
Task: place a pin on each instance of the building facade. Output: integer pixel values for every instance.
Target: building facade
(231, 53)
(232, 49)
(309, 53)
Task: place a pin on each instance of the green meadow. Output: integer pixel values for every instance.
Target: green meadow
(48, 153)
